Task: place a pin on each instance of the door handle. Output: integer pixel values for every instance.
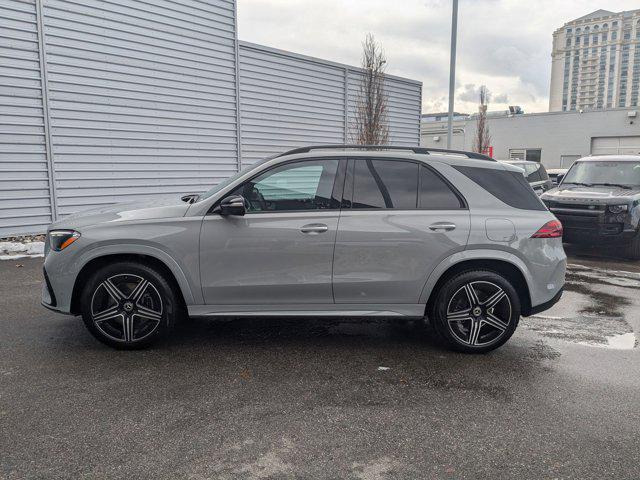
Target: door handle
(447, 227)
(314, 228)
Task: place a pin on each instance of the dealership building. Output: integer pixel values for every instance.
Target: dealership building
(556, 139)
(110, 101)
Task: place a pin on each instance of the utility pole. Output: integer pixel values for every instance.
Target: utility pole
(452, 69)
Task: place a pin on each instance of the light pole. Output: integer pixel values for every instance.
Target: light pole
(452, 69)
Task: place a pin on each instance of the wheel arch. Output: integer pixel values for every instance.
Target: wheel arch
(510, 270)
(178, 282)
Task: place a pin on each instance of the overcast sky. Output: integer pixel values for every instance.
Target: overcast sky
(503, 44)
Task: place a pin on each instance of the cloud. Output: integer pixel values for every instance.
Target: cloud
(503, 44)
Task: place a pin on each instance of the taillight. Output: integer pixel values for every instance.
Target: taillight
(552, 229)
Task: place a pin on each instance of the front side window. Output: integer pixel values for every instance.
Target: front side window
(385, 184)
(306, 185)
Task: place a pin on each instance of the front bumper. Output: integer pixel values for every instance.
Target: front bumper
(593, 224)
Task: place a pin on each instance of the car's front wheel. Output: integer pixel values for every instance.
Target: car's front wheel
(128, 305)
(476, 311)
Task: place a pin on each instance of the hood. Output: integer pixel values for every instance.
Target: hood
(153, 208)
(596, 195)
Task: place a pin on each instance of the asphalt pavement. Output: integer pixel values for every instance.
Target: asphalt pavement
(317, 398)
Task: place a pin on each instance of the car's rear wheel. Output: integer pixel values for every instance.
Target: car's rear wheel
(476, 311)
(128, 305)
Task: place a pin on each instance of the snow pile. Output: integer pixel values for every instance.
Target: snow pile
(13, 250)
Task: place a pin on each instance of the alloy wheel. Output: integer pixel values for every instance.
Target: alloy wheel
(479, 313)
(126, 308)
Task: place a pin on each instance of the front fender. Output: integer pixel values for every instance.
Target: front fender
(63, 270)
(191, 294)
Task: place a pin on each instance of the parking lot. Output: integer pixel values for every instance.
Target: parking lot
(323, 398)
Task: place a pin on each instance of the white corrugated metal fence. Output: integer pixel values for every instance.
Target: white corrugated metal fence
(103, 101)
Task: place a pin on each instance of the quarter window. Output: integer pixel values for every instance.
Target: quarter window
(435, 194)
(304, 185)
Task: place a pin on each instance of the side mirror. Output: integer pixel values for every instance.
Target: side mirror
(559, 179)
(233, 205)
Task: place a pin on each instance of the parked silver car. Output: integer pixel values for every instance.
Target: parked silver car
(454, 237)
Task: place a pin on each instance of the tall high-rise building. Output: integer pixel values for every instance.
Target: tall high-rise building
(596, 62)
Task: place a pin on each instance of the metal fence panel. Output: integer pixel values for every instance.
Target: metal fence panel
(289, 100)
(142, 98)
(404, 99)
(24, 179)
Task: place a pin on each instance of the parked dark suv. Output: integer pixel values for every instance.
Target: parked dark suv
(535, 174)
(598, 202)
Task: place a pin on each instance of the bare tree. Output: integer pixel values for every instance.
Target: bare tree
(370, 125)
(482, 140)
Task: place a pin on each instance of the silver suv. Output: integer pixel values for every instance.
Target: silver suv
(453, 237)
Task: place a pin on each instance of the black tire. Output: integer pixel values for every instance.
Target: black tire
(479, 331)
(633, 249)
(144, 313)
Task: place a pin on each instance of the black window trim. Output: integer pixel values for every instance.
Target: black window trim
(336, 192)
(347, 198)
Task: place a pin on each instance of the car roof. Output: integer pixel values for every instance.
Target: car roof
(450, 158)
(520, 162)
(610, 158)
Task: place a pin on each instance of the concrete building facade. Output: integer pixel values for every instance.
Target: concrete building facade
(596, 62)
(104, 101)
(556, 139)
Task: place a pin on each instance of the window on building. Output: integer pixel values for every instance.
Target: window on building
(529, 154)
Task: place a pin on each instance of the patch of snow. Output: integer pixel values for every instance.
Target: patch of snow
(626, 341)
(623, 341)
(383, 369)
(35, 248)
(15, 250)
(12, 247)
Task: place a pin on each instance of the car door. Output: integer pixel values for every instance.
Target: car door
(281, 251)
(399, 220)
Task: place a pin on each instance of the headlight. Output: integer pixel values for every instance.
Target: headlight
(61, 239)
(618, 208)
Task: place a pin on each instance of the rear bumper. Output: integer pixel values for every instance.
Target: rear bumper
(546, 305)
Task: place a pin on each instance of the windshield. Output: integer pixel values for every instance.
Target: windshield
(231, 179)
(607, 172)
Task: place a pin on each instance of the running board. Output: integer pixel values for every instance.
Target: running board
(315, 310)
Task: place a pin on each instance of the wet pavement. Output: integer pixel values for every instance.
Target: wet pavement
(319, 398)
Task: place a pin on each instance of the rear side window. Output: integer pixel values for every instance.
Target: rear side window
(509, 187)
(435, 194)
(385, 184)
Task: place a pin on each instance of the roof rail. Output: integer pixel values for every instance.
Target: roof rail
(418, 150)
